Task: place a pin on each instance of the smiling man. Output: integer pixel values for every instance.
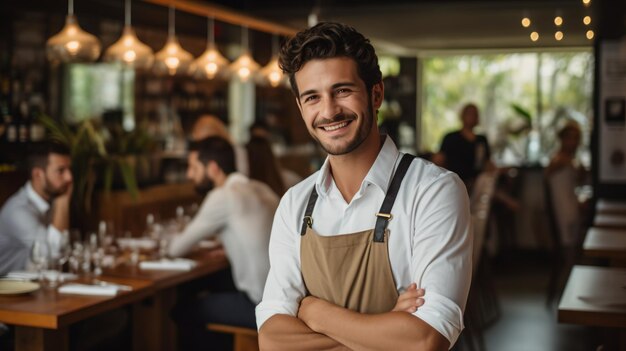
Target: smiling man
(351, 243)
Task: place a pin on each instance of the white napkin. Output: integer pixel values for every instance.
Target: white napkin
(27, 275)
(179, 264)
(83, 289)
(137, 243)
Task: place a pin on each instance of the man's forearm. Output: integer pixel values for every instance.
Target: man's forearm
(283, 332)
(384, 331)
(61, 214)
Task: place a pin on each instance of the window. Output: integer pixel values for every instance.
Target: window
(523, 98)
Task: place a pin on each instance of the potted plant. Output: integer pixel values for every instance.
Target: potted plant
(98, 154)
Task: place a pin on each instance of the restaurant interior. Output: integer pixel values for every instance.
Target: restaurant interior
(534, 69)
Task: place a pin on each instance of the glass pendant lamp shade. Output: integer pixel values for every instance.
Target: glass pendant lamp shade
(245, 66)
(172, 58)
(72, 44)
(211, 62)
(272, 72)
(128, 49)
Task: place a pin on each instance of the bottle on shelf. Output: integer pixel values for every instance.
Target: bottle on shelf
(23, 131)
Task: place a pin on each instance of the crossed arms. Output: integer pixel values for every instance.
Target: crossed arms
(313, 329)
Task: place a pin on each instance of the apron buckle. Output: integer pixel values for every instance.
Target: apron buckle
(309, 221)
(388, 216)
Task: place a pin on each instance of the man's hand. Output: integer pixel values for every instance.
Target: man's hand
(309, 308)
(410, 300)
(64, 198)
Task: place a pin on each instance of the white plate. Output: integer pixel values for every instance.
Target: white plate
(13, 287)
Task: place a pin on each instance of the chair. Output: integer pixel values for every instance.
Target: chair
(482, 307)
(557, 252)
(245, 339)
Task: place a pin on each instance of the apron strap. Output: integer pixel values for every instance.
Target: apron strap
(384, 214)
(307, 221)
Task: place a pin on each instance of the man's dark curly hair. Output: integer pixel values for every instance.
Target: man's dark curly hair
(329, 40)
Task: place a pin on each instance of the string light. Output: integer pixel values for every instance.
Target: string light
(526, 22)
(558, 21)
(558, 35)
(587, 3)
(590, 34)
(534, 36)
(587, 20)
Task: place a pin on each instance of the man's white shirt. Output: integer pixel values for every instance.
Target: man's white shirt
(430, 241)
(240, 212)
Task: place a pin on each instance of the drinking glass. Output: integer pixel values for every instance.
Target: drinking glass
(39, 256)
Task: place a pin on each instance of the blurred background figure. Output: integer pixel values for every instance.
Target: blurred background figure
(564, 175)
(208, 126)
(263, 164)
(464, 152)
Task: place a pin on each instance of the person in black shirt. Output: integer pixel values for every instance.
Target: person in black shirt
(464, 152)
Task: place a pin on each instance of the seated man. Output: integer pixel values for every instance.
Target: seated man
(40, 209)
(238, 210)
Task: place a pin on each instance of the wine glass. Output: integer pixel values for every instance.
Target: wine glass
(39, 256)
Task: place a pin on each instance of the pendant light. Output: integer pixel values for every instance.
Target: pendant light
(172, 58)
(244, 67)
(211, 62)
(72, 44)
(272, 72)
(128, 49)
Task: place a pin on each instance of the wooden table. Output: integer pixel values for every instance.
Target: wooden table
(596, 296)
(606, 243)
(610, 221)
(611, 207)
(42, 318)
(152, 326)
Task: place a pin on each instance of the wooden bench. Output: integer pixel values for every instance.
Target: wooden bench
(246, 339)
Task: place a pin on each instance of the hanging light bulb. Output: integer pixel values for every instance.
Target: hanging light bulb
(272, 72)
(172, 58)
(534, 36)
(244, 66)
(211, 62)
(558, 35)
(72, 44)
(558, 21)
(128, 49)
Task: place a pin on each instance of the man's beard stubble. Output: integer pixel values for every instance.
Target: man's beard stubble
(359, 138)
(204, 186)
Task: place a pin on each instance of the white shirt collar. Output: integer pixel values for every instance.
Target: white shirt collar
(379, 174)
(41, 204)
(235, 177)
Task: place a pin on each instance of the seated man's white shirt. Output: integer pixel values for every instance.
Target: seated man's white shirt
(435, 253)
(241, 213)
(23, 219)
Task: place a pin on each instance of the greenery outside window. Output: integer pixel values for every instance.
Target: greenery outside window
(523, 99)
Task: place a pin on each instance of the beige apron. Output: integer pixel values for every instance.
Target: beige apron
(352, 270)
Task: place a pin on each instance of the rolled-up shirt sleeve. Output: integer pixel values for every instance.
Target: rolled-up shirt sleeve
(284, 288)
(442, 254)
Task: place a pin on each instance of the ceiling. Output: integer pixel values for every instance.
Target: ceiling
(420, 27)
